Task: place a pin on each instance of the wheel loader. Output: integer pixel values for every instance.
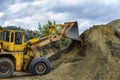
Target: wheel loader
(18, 54)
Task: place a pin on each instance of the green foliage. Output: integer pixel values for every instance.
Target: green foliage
(62, 43)
(44, 30)
(12, 28)
(1, 28)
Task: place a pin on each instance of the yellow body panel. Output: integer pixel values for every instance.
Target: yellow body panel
(8, 46)
(19, 60)
(12, 47)
(33, 41)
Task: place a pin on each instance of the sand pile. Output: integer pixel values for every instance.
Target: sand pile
(96, 57)
(102, 47)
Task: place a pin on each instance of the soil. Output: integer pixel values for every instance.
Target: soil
(95, 57)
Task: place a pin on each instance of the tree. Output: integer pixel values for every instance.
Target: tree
(1, 28)
(13, 28)
(44, 30)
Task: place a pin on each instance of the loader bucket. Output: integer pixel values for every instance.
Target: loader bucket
(73, 32)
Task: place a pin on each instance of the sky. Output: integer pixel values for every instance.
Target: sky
(28, 13)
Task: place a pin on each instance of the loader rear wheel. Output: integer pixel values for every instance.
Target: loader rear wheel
(6, 67)
(40, 66)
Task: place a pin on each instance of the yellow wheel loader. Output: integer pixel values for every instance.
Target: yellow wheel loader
(18, 54)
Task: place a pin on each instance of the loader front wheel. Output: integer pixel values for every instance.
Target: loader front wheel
(6, 67)
(40, 66)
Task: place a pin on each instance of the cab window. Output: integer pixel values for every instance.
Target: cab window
(12, 37)
(1, 35)
(18, 38)
(6, 36)
(25, 38)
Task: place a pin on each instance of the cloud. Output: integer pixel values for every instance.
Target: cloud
(17, 7)
(28, 13)
(1, 14)
(72, 2)
(108, 2)
(85, 24)
(8, 23)
(31, 22)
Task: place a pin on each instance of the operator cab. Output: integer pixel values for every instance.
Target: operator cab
(14, 40)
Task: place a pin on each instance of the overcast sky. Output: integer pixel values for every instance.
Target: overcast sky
(28, 13)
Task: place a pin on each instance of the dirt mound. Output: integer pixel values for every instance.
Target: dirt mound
(116, 25)
(97, 57)
(101, 46)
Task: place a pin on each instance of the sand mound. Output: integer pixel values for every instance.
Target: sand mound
(102, 49)
(96, 57)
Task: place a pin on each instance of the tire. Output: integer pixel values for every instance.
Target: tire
(40, 66)
(6, 67)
